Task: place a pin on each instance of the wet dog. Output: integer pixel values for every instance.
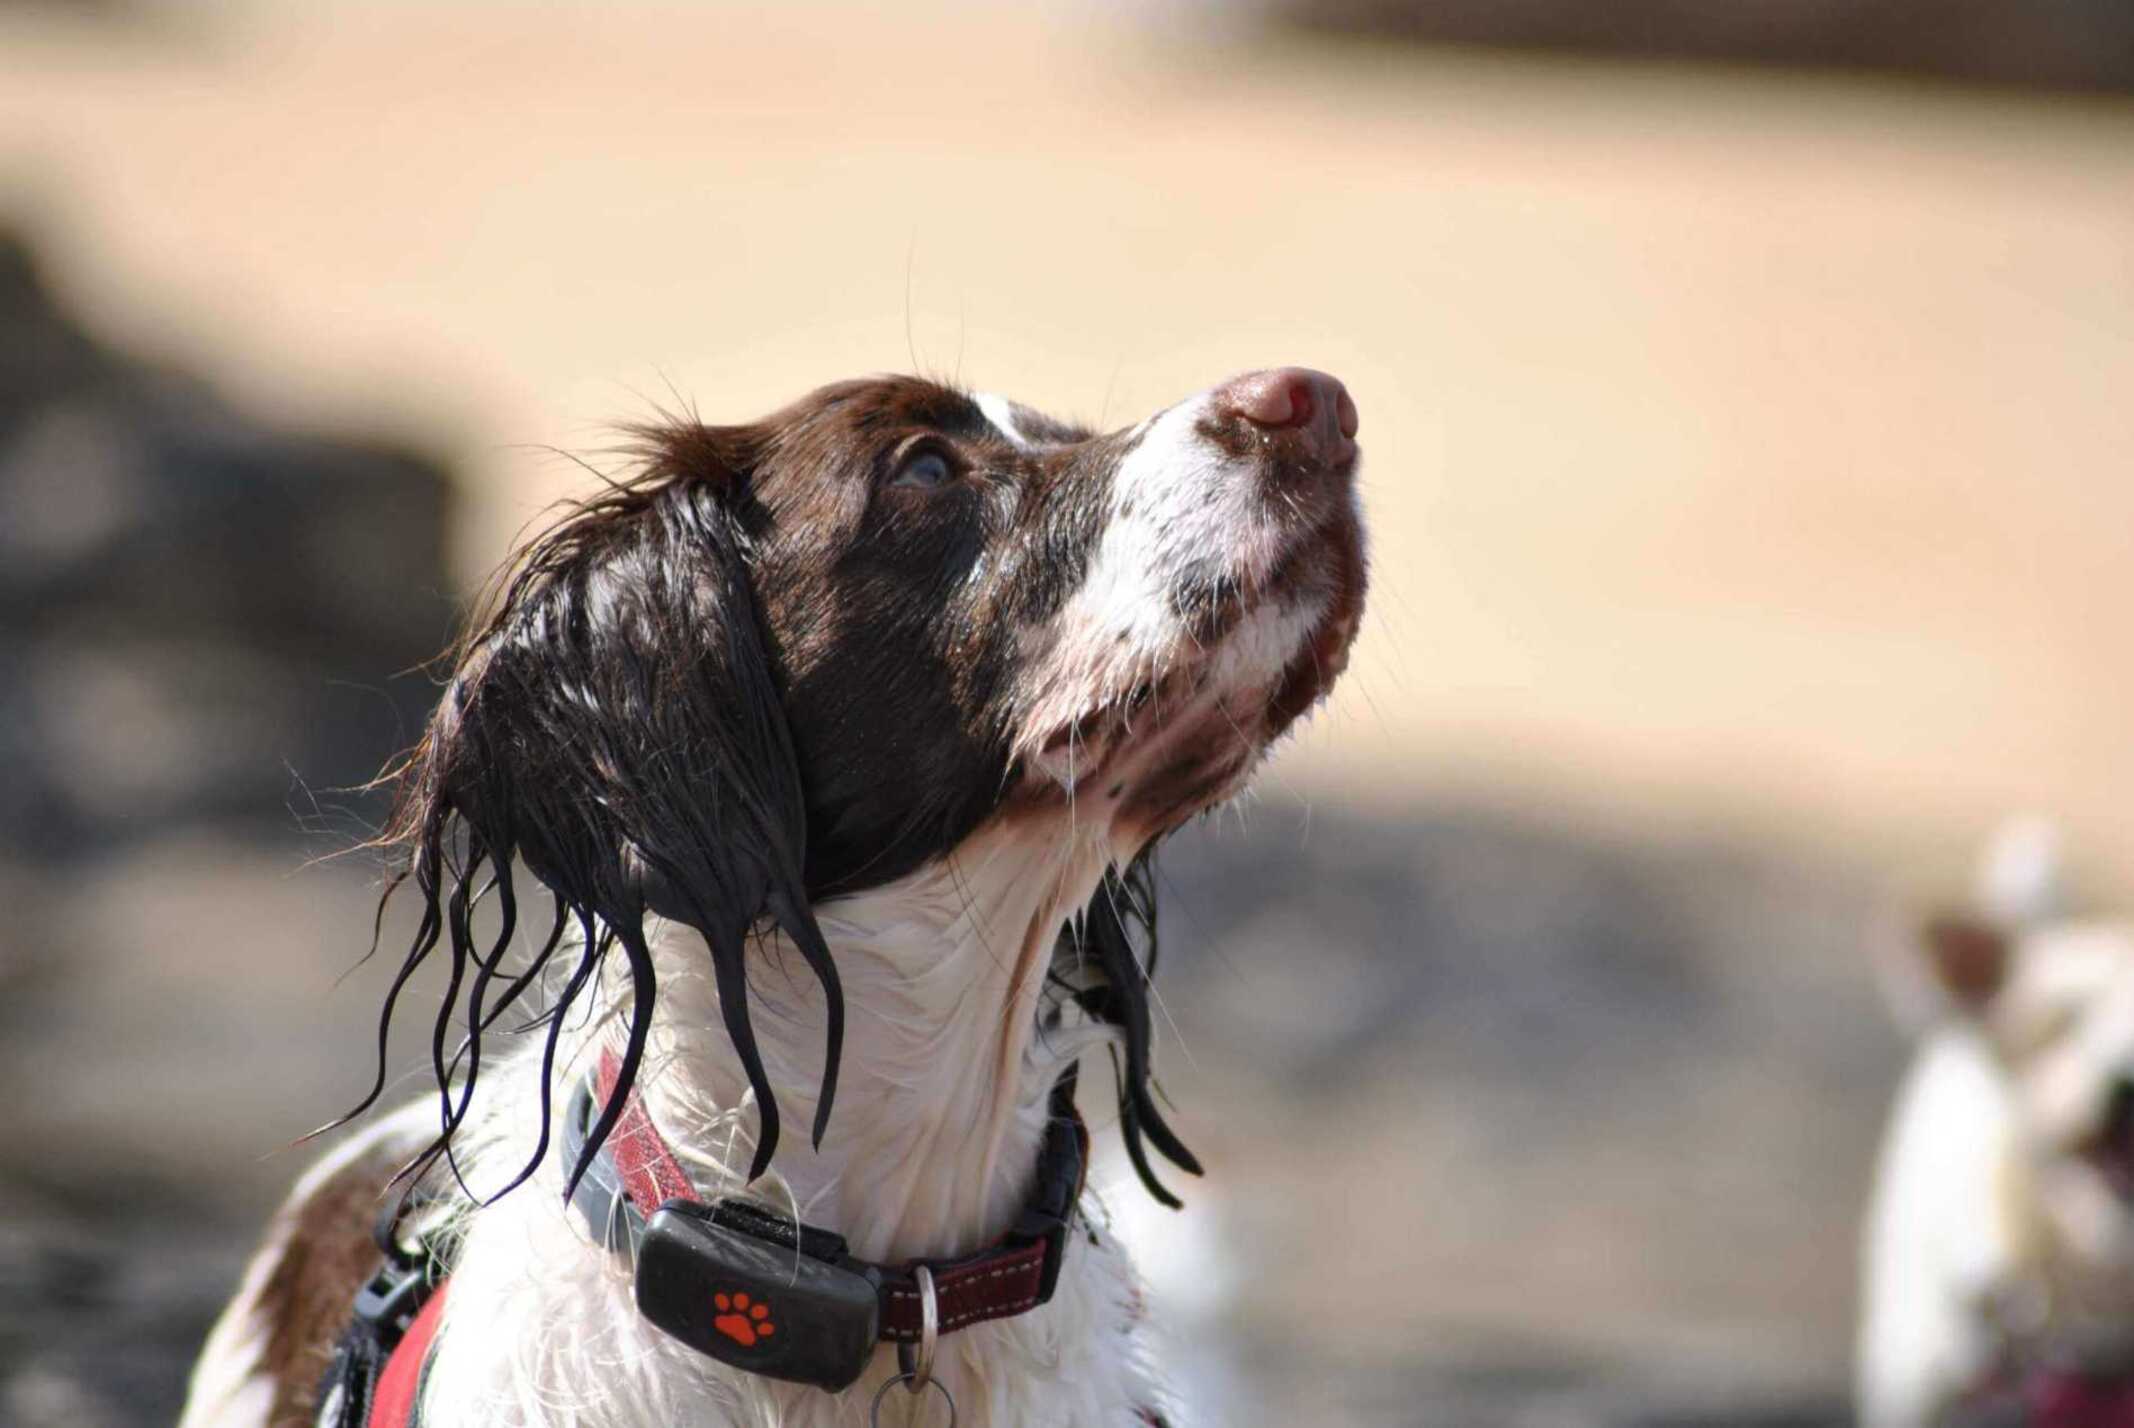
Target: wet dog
(809, 777)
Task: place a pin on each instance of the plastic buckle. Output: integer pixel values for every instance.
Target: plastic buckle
(1052, 1200)
(1033, 1227)
(773, 1303)
(393, 1296)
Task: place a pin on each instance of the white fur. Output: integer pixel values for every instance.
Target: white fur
(2021, 882)
(998, 410)
(1939, 1237)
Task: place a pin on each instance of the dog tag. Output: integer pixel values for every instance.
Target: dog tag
(753, 1303)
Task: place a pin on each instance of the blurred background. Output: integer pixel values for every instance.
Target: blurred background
(1750, 454)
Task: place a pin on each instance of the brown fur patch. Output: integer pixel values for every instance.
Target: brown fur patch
(1969, 955)
(326, 1256)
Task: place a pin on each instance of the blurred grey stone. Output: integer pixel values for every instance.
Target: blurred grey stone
(207, 628)
(2060, 44)
(1586, 1121)
(199, 618)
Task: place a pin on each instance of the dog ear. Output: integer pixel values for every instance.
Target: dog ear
(1968, 958)
(615, 728)
(1113, 946)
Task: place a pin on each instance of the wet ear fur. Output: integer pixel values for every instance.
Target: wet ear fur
(1105, 959)
(614, 729)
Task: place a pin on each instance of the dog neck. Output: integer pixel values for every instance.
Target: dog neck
(942, 1092)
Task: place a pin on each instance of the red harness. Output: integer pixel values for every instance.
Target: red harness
(392, 1403)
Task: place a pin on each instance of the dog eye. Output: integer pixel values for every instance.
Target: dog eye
(925, 469)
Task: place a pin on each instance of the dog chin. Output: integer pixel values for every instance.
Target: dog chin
(1169, 747)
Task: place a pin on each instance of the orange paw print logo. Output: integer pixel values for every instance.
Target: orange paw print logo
(742, 1321)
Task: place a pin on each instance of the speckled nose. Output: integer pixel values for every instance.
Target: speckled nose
(1284, 398)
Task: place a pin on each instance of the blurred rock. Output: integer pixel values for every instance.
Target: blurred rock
(98, 1328)
(200, 619)
(209, 631)
(1581, 1124)
(2061, 44)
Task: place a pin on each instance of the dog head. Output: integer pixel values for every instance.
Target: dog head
(805, 656)
(2053, 1000)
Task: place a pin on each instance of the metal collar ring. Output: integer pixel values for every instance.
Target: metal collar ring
(874, 1409)
(919, 1368)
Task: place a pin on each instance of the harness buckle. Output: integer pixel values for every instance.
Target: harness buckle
(1062, 1163)
(393, 1297)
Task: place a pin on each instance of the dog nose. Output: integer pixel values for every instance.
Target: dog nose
(1286, 398)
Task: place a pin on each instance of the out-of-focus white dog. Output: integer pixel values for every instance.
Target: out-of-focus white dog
(1999, 1245)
